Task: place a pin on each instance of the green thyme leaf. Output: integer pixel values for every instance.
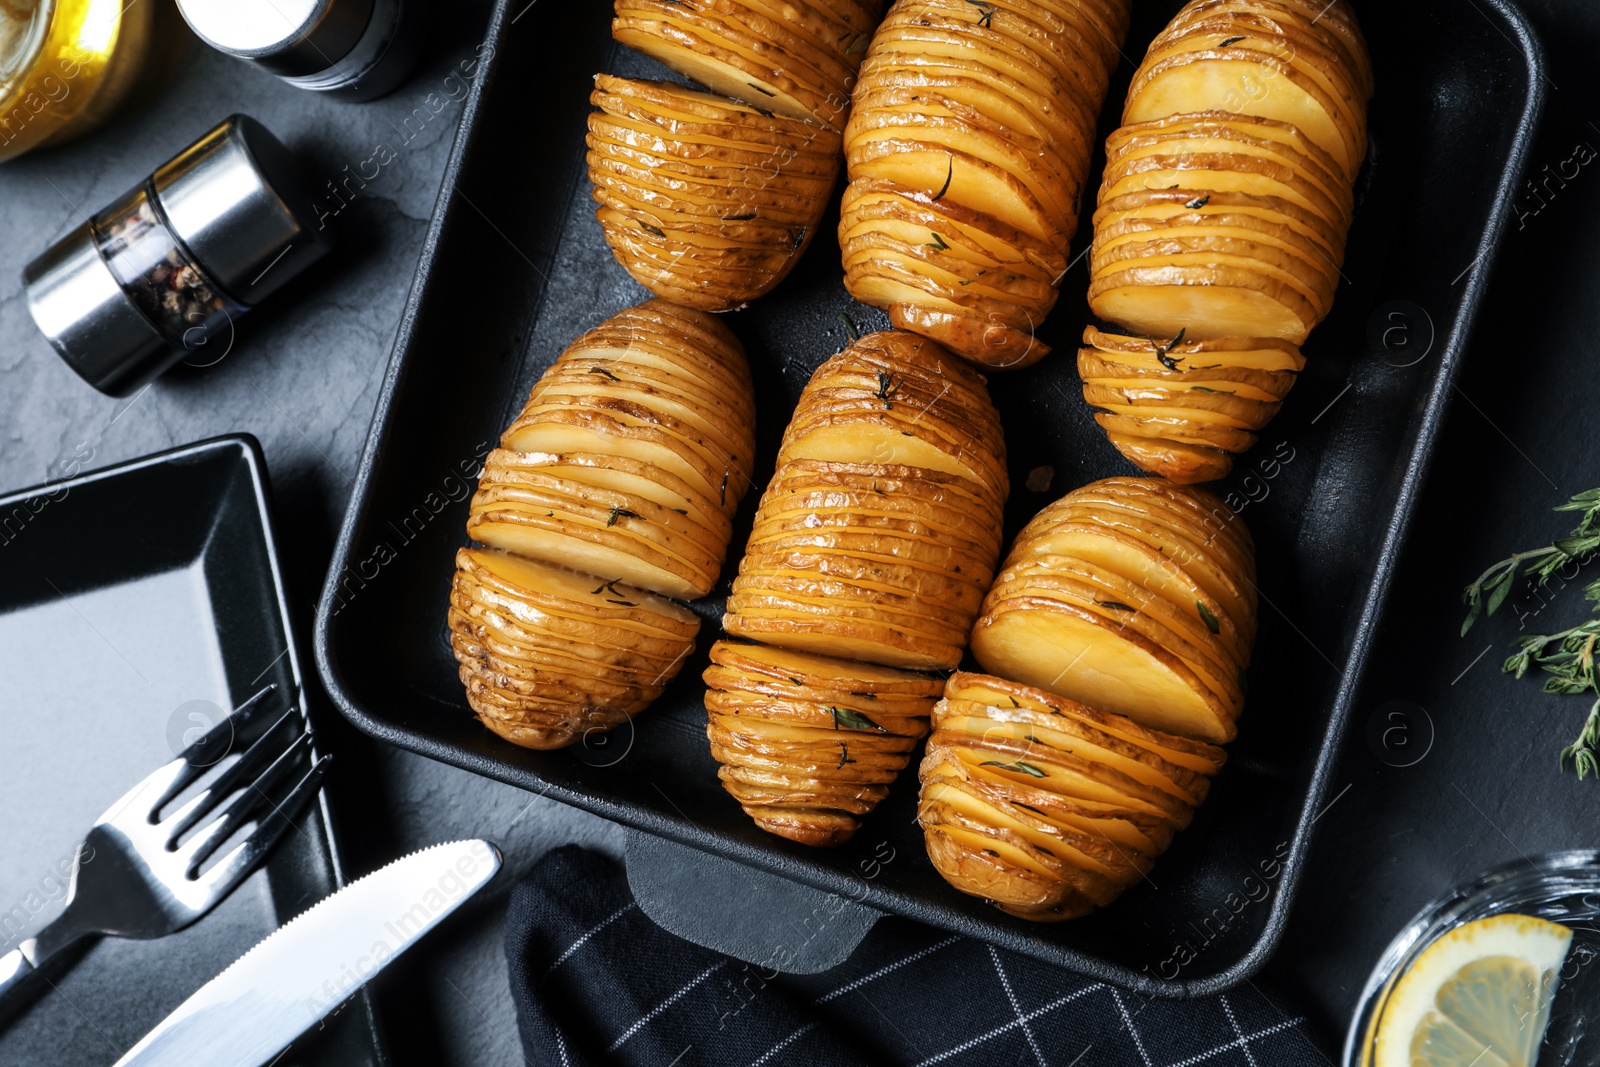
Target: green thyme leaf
(1015, 765)
(849, 718)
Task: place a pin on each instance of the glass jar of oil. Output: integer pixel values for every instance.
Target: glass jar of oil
(65, 65)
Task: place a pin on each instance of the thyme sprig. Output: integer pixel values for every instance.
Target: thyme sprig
(1484, 596)
(1568, 656)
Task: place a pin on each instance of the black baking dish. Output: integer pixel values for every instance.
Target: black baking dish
(514, 267)
(137, 604)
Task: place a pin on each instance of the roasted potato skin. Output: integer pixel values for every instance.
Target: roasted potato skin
(706, 202)
(1155, 399)
(545, 662)
(901, 438)
(809, 745)
(799, 63)
(968, 151)
(1046, 807)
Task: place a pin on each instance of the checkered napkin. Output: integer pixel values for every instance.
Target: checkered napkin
(597, 983)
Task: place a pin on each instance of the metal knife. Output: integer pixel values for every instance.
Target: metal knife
(308, 967)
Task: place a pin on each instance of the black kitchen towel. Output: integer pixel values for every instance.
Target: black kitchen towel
(597, 983)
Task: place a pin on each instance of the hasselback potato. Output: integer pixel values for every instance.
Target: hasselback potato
(706, 202)
(1223, 213)
(809, 744)
(1046, 806)
(613, 488)
(648, 423)
(968, 149)
(792, 57)
(869, 557)
(1116, 636)
(880, 529)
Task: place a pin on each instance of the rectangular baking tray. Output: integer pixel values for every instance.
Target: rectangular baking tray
(514, 267)
(137, 604)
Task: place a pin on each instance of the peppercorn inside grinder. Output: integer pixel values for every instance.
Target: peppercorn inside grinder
(165, 272)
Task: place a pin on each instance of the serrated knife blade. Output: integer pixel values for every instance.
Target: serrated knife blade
(309, 966)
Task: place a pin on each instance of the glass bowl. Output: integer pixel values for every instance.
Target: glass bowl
(1562, 887)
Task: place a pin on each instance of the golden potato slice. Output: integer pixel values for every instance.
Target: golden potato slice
(1254, 82)
(1184, 630)
(906, 402)
(1088, 657)
(804, 746)
(1212, 301)
(1046, 806)
(973, 867)
(1201, 208)
(1136, 832)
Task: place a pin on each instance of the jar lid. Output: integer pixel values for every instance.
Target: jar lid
(240, 203)
(290, 38)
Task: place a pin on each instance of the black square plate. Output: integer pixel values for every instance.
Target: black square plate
(514, 267)
(137, 604)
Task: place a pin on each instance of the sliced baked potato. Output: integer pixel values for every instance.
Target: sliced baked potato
(809, 744)
(796, 58)
(630, 456)
(548, 655)
(880, 529)
(968, 149)
(1160, 402)
(1047, 807)
(706, 202)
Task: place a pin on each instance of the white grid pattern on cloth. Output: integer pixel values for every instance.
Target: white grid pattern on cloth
(1005, 983)
(780, 1046)
(974, 1042)
(1241, 1041)
(1233, 1021)
(881, 971)
(1133, 1032)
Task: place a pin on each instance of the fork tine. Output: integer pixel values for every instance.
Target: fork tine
(232, 869)
(185, 769)
(248, 765)
(245, 802)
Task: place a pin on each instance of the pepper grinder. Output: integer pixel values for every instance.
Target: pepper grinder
(169, 268)
(356, 49)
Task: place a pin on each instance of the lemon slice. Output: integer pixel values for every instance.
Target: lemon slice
(1477, 997)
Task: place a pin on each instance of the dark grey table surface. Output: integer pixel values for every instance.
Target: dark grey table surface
(305, 375)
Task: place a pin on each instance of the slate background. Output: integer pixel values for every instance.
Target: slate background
(304, 376)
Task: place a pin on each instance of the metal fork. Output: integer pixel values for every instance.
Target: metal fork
(133, 878)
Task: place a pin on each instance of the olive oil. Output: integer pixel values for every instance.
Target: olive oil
(64, 66)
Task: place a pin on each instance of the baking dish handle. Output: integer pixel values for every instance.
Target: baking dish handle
(760, 918)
